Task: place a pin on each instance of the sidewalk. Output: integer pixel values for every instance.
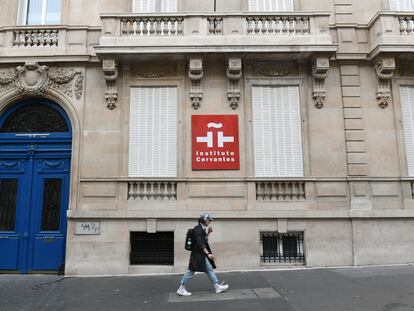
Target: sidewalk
(389, 288)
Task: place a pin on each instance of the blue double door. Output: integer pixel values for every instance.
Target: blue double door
(34, 195)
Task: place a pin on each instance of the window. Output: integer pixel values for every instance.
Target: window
(282, 247)
(40, 12)
(402, 5)
(152, 248)
(270, 5)
(407, 109)
(277, 131)
(153, 132)
(151, 6)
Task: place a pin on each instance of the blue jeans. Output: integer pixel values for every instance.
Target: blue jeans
(189, 273)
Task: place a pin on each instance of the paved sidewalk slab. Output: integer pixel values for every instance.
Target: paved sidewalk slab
(254, 293)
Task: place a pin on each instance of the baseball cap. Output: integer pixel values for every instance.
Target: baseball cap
(205, 216)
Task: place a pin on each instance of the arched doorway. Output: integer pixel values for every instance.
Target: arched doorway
(35, 154)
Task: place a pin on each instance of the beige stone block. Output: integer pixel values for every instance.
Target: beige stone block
(352, 113)
(151, 225)
(282, 225)
(100, 155)
(77, 38)
(338, 245)
(343, 2)
(383, 241)
(354, 124)
(354, 135)
(362, 36)
(357, 158)
(355, 146)
(385, 189)
(216, 190)
(361, 203)
(331, 189)
(352, 102)
(99, 189)
(350, 80)
(351, 91)
(343, 8)
(344, 18)
(349, 70)
(357, 169)
(359, 189)
(346, 35)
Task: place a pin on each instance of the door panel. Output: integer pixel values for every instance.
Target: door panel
(50, 201)
(9, 237)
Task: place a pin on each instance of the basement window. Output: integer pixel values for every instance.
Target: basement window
(282, 248)
(152, 248)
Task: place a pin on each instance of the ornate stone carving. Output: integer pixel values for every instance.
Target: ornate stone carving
(320, 69)
(7, 79)
(384, 69)
(234, 73)
(195, 73)
(273, 69)
(68, 81)
(33, 79)
(154, 71)
(110, 70)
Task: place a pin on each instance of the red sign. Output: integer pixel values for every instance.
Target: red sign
(215, 142)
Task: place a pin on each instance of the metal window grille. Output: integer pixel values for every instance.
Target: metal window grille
(152, 248)
(286, 248)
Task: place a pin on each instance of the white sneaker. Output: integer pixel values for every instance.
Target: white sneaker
(220, 288)
(182, 291)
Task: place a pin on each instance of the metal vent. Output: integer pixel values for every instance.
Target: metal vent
(286, 248)
(152, 248)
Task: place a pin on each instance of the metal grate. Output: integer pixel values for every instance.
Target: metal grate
(282, 247)
(152, 248)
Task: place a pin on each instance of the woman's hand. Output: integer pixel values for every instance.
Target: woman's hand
(211, 257)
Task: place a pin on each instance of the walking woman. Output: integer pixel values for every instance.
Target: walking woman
(201, 259)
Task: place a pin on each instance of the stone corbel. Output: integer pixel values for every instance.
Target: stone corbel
(110, 70)
(234, 73)
(384, 69)
(195, 73)
(320, 69)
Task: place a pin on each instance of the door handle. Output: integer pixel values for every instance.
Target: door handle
(48, 237)
(3, 237)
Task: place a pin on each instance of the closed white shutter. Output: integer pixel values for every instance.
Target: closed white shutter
(270, 5)
(144, 6)
(151, 6)
(153, 132)
(402, 5)
(168, 6)
(277, 131)
(407, 109)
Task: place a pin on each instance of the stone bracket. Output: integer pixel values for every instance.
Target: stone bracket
(384, 70)
(320, 69)
(195, 73)
(110, 70)
(234, 73)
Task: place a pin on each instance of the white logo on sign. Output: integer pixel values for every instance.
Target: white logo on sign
(221, 139)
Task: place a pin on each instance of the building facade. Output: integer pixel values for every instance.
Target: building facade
(290, 121)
